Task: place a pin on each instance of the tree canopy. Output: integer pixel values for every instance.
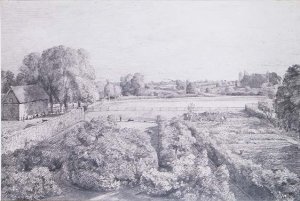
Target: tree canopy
(112, 90)
(253, 81)
(180, 85)
(65, 74)
(132, 85)
(287, 103)
(190, 88)
(7, 80)
(257, 80)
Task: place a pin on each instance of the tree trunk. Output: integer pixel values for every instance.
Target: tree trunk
(66, 105)
(51, 103)
(60, 107)
(79, 104)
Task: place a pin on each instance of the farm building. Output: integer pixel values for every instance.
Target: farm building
(21, 102)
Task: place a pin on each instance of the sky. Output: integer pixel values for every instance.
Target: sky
(194, 40)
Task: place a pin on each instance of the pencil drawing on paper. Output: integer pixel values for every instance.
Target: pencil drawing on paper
(150, 100)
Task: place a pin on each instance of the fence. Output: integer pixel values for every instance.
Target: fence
(179, 109)
(32, 135)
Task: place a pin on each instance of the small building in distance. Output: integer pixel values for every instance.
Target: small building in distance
(21, 102)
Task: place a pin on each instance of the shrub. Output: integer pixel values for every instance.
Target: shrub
(118, 156)
(267, 110)
(33, 185)
(184, 171)
(96, 155)
(158, 183)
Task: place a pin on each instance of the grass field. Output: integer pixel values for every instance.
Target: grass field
(148, 109)
(210, 102)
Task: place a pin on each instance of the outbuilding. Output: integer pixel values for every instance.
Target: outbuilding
(23, 102)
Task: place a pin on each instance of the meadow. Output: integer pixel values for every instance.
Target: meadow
(148, 109)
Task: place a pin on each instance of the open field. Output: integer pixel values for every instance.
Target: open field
(209, 102)
(148, 109)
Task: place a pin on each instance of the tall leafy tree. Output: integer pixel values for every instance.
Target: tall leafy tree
(137, 84)
(190, 88)
(180, 85)
(7, 80)
(287, 102)
(254, 80)
(132, 84)
(65, 74)
(273, 78)
(109, 90)
(29, 71)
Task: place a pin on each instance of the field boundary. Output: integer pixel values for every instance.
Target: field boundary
(29, 136)
(113, 108)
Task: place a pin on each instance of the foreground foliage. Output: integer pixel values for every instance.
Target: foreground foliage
(185, 172)
(183, 163)
(32, 185)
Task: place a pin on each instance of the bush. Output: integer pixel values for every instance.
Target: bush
(267, 109)
(158, 183)
(184, 171)
(96, 155)
(116, 157)
(33, 185)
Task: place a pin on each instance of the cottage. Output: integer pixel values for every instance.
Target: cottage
(21, 102)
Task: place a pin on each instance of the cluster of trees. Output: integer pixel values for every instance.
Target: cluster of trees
(112, 90)
(189, 87)
(257, 80)
(287, 102)
(180, 85)
(65, 74)
(132, 84)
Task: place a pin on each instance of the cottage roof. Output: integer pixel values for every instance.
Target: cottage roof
(29, 93)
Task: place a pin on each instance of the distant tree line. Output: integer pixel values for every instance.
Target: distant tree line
(257, 80)
(187, 86)
(64, 73)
